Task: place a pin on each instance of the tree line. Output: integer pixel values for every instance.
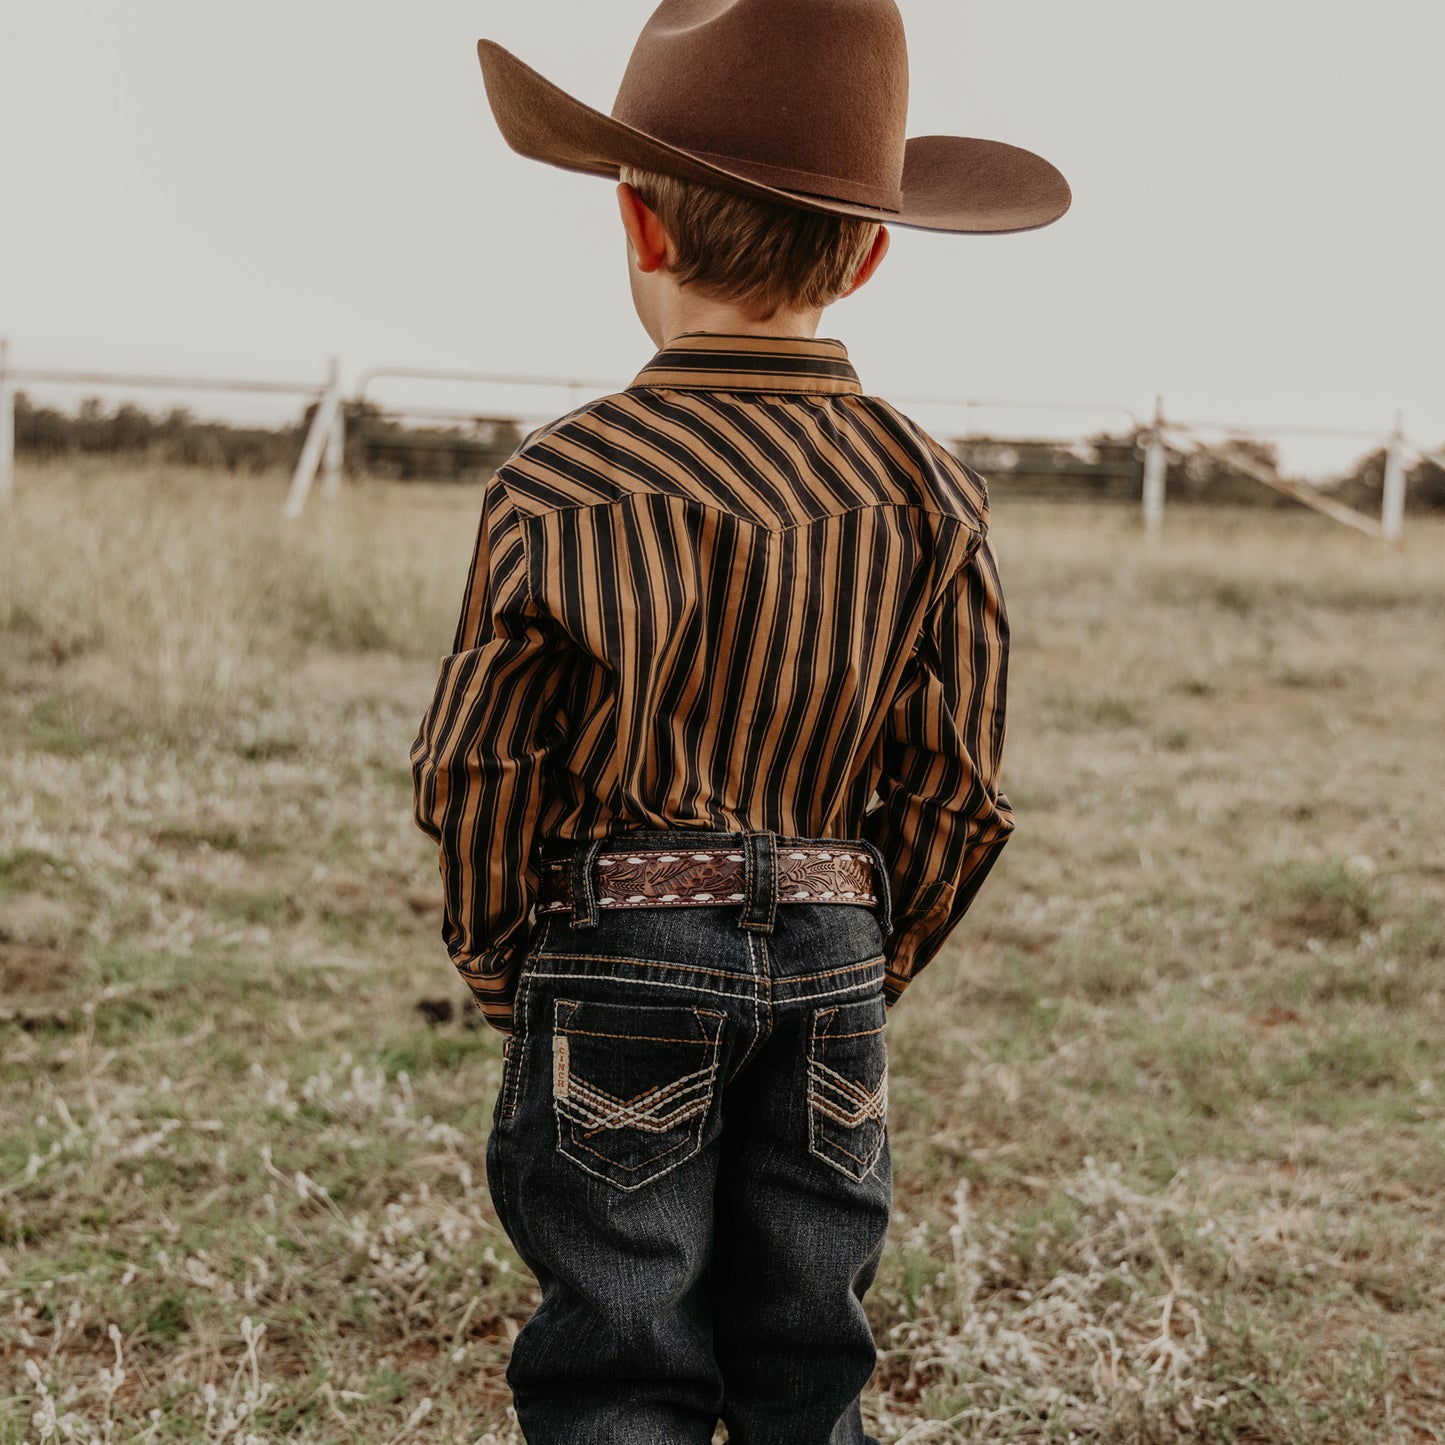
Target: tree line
(376, 445)
(1106, 466)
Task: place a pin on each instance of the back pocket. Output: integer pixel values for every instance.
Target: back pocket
(848, 1085)
(632, 1086)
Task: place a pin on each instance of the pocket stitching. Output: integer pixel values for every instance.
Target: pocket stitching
(705, 1075)
(873, 1103)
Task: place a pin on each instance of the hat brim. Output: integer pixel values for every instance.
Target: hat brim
(950, 183)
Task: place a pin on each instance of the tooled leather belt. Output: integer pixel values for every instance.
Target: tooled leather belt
(695, 877)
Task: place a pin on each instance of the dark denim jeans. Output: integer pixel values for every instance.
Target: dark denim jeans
(690, 1151)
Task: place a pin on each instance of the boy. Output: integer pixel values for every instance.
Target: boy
(713, 761)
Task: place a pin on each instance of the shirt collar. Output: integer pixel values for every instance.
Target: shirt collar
(717, 362)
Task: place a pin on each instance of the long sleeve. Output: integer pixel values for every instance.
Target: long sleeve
(941, 821)
(478, 759)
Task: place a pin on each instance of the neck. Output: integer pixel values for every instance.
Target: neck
(682, 312)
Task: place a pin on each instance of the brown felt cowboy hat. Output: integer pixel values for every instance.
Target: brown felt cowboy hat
(799, 101)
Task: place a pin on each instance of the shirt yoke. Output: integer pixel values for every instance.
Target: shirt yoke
(780, 460)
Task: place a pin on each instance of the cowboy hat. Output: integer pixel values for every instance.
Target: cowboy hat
(802, 102)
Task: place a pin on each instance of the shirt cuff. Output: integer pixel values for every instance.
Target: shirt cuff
(492, 979)
(918, 932)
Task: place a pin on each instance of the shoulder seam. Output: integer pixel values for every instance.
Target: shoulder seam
(969, 525)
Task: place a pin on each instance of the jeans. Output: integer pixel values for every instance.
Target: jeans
(690, 1151)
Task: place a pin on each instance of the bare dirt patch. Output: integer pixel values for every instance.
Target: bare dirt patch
(36, 986)
(28, 974)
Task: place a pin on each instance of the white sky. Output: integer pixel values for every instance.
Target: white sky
(1257, 230)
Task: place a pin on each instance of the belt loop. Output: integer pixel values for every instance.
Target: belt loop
(760, 875)
(584, 896)
(884, 906)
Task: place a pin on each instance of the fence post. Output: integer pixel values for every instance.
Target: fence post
(327, 408)
(1392, 503)
(335, 454)
(7, 427)
(1156, 462)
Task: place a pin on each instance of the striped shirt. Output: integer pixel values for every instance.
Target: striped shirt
(740, 594)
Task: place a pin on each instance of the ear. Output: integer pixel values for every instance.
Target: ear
(873, 262)
(644, 230)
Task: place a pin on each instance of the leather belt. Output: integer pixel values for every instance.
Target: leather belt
(697, 877)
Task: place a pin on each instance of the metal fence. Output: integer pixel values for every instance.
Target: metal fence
(318, 452)
(1388, 527)
(1103, 459)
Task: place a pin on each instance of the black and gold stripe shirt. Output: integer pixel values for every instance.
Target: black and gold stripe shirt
(740, 594)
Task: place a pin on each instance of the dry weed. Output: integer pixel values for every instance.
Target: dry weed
(1167, 1125)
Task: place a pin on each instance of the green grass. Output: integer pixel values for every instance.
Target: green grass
(1166, 1113)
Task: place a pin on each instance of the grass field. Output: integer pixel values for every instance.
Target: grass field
(1167, 1114)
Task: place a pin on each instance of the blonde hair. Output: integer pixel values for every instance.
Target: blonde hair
(759, 254)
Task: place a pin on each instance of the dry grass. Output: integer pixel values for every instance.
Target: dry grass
(1167, 1118)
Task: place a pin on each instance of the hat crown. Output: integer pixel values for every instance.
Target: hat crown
(811, 95)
